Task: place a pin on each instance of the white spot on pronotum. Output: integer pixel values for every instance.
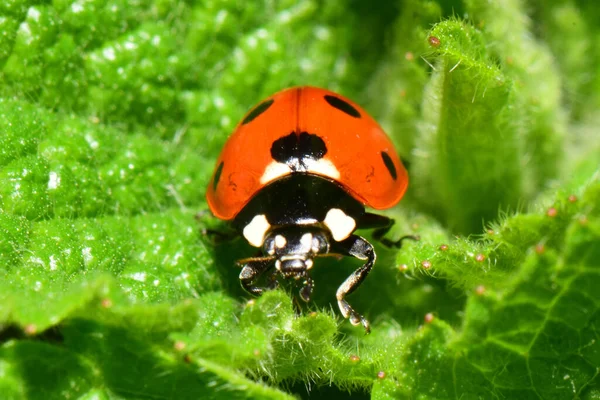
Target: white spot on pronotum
(280, 241)
(323, 167)
(273, 171)
(306, 242)
(53, 180)
(340, 225)
(255, 231)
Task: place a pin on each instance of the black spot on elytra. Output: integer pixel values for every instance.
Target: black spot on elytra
(259, 109)
(218, 175)
(389, 164)
(342, 105)
(294, 148)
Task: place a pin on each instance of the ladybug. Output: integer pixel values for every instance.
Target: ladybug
(294, 179)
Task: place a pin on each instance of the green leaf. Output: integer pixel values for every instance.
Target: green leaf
(570, 29)
(468, 152)
(535, 337)
(537, 81)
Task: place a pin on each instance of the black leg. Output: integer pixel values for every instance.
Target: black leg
(272, 280)
(307, 289)
(214, 235)
(252, 269)
(357, 247)
(382, 225)
(218, 237)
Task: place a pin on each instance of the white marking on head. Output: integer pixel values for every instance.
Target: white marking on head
(308, 263)
(255, 231)
(280, 241)
(323, 167)
(340, 225)
(315, 245)
(273, 171)
(306, 242)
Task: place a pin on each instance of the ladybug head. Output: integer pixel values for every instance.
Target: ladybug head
(294, 249)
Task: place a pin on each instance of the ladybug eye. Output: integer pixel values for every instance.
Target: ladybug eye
(317, 244)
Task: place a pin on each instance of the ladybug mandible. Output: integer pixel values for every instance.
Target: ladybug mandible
(294, 179)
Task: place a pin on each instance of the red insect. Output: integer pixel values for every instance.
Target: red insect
(294, 179)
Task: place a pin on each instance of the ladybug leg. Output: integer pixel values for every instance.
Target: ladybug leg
(273, 284)
(217, 237)
(307, 289)
(382, 225)
(358, 247)
(252, 269)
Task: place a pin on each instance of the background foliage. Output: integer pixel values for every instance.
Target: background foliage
(113, 112)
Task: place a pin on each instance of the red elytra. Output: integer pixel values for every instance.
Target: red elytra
(363, 157)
